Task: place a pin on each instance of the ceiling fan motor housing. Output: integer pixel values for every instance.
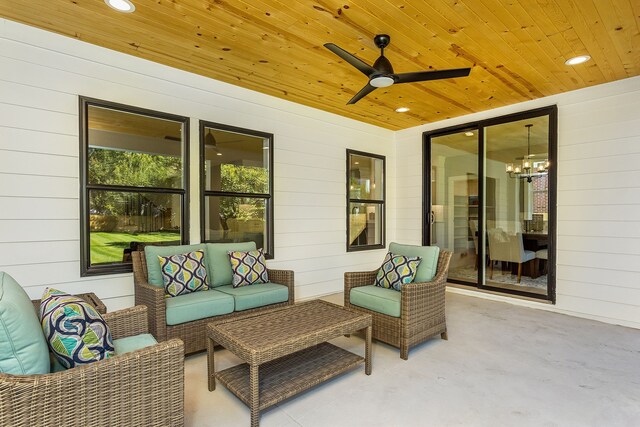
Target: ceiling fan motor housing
(383, 66)
(383, 77)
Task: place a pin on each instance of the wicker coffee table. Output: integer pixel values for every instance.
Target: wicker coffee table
(286, 351)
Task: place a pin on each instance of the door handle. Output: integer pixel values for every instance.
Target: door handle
(432, 217)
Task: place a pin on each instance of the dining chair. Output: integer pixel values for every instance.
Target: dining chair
(508, 247)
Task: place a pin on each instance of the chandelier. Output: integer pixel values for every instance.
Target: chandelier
(528, 167)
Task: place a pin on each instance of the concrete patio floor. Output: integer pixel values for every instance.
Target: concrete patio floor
(503, 365)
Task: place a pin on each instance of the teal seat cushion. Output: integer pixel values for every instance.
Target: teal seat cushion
(220, 272)
(197, 305)
(252, 296)
(136, 342)
(151, 253)
(375, 298)
(429, 255)
(23, 349)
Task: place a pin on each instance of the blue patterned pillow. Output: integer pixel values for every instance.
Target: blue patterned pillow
(75, 331)
(184, 273)
(249, 268)
(397, 271)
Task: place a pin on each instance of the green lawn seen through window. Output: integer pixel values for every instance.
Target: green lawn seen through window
(108, 247)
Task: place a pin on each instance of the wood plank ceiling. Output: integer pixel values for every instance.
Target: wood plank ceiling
(516, 48)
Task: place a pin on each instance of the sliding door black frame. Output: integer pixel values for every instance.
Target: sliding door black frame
(480, 125)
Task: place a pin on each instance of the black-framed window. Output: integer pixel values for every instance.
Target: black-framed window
(237, 185)
(365, 201)
(133, 183)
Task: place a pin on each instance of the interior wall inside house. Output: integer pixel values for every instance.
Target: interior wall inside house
(41, 76)
(598, 233)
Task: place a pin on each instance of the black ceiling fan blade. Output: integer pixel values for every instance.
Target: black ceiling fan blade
(366, 90)
(364, 68)
(421, 76)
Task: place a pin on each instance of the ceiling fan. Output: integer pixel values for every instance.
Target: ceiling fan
(381, 73)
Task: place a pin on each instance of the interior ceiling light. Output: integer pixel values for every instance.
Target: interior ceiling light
(577, 60)
(121, 5)
(402, 110)
(528, 168)
(469, 133)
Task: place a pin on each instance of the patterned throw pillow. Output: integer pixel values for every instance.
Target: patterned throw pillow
(397, 271)
(249, 268)
(184, 273)
(75, 331)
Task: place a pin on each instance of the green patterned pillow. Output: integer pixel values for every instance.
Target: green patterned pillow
(184, 273)
(249, 268)
(76, 333)
(396, 271)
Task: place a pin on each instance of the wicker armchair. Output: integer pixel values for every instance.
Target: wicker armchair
(144, 387)
(422, 311)
(193, 334)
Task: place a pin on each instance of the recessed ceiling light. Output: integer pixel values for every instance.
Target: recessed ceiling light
(469, 133)
(121, 5)
(577, 60)
(402, 110)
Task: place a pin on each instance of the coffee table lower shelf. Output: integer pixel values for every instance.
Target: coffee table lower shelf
(283, 378)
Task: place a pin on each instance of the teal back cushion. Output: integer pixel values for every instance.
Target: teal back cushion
(23, 349)
(151, 253)
(429, 263)
(221, 272)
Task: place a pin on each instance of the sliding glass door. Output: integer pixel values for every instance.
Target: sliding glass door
(453, 218)
(490, 200)
(516, 157)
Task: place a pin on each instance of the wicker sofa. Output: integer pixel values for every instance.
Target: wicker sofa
(142, 387)
(193, 332)
(421, 308)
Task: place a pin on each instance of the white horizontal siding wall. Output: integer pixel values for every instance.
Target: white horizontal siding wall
(598, 266)
(41, 76)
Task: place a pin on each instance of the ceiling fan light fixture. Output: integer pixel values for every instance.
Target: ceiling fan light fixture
(402, 110)
(381, 81)
(121, 5)
(577, 60)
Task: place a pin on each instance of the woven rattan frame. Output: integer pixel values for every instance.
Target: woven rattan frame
(141, 388)
(193, 334)
(422, 311)
(291, 355)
